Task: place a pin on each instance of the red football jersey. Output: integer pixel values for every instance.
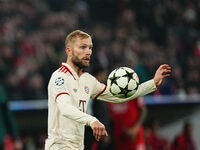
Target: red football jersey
(124, 116)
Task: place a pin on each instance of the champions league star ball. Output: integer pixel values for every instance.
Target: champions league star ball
(123, 82)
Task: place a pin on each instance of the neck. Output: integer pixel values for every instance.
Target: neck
(75, 68)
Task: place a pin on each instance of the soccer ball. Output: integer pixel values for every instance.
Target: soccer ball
(123, 82)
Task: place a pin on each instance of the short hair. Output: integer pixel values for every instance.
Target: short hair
(73, 35)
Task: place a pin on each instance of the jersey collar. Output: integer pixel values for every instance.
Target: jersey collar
(71, 71)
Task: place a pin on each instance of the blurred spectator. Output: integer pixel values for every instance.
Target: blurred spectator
(127, 119)
(35, 87)
(29, 143)
(184, 141)
(153, 140)
(197, 49)
(9, 135)
(32, 34)
(139, 34)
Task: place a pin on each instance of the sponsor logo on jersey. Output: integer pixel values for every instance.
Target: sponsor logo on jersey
(59, 81)
(86, 89)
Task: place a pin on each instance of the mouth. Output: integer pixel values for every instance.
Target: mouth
(86, 60)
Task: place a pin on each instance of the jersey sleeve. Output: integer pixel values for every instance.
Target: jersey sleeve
(98, 88)
(143, 89)
(71, 112)
(57, 86)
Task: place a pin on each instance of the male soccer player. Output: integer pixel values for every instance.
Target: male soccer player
(70, 89)
(127, 119)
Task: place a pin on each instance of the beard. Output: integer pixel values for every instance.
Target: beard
(79, 63)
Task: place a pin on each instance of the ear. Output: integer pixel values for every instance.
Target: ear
(68, 51)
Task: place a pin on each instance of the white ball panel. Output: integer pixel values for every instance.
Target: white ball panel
(108, 83)
(122, 82)
(120, 72)
(132, 84)
(115, 89)
(128, 69)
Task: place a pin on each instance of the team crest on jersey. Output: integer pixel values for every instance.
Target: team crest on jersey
(59, 81)
(86, 89)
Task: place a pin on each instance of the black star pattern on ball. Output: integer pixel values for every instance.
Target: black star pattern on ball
(113, 79)
(125, 91)
(129, 75)
(136, 87)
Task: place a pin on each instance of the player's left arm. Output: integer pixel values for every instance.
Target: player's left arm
(133, 131)
(142, 116)
(143, 89)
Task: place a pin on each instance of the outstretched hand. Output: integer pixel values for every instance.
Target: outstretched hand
(162, 72)
(99, 130)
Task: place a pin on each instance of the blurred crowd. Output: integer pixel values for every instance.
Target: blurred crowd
(138, 34)
(183, 140)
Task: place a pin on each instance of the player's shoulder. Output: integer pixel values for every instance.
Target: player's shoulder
(89, 76)
(60, 72)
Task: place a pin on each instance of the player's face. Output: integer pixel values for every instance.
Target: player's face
(81, 52)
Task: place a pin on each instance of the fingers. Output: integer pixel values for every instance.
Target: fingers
(105, 132)
(166, 72)
(95, 132)
(162, 72)
(99, 133)
(99, 130)
(164, 76)
(164, 66)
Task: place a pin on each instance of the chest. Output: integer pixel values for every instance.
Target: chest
(80, 91)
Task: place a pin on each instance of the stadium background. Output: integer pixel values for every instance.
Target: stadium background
(141, 34)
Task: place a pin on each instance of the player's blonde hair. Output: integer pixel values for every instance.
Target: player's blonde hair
(73, 35)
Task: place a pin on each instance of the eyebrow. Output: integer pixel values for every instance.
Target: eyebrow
(83, 44)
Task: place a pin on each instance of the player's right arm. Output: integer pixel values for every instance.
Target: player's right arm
(64, 101)
(60, 96)
(69, 111)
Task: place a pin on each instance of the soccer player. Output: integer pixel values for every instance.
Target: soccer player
(70, 89)
(127, 119)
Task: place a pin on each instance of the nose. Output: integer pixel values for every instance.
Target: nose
(89, 52)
